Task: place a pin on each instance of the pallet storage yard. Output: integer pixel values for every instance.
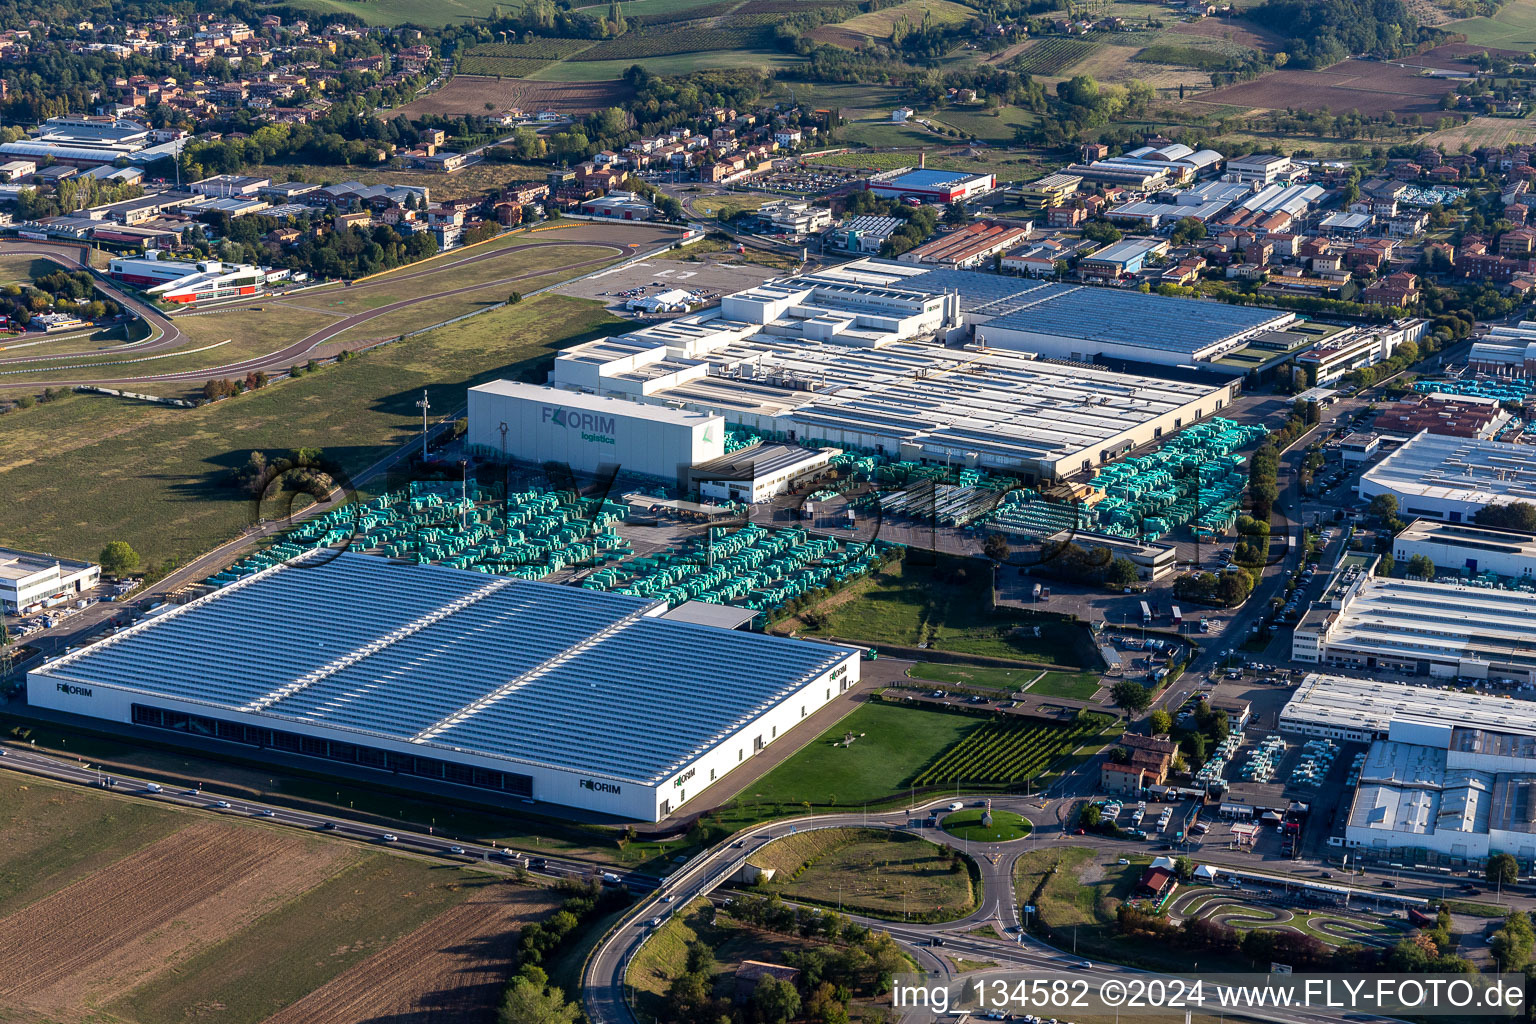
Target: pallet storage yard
(517, 690)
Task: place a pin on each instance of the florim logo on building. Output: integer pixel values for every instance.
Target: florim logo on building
(74, 691)
(592, 426)
(601, 787)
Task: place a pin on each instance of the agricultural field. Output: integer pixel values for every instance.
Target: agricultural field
(1513, 27)
(468, 94)
(988, 126)
(170, 911)
(399, 12)
(1052, 56)
(1239, 32)
(869, 871)
(1370, 87)
(1494, 132)
(1006, 753)
(881, 132)
(159, 478)
(632, 47)
(878, 25)
(1200, 57)
(597, 73)
(514, 60)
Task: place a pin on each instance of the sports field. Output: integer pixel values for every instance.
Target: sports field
(152, 914)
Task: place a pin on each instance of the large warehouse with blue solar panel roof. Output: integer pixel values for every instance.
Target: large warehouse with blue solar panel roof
(517, 690)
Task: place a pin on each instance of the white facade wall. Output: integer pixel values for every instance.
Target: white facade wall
(26, 591)
(1453, 556)
(605, 794)
(587, 432)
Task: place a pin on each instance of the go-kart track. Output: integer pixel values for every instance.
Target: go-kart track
(166, 338)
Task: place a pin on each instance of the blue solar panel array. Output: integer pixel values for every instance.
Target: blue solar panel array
(535, 672)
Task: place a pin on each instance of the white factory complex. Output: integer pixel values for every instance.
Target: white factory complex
(1461, 548)
(1419, 627)
(1437, 476)
(588, 432)
(530, 691)
(877, 356)
(1447, 772)
(31, 581)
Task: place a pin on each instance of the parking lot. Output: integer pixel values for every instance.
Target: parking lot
(707, 278)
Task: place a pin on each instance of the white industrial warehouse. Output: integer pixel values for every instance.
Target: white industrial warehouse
(1447, 772)
(1458, 547)
(1443, 630)
(857, 358)
(587, 432)
(1436, 476)
(527, 690)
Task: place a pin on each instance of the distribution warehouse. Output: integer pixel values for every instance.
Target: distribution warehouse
(535, 691)
(587, 432)
(1437, 476)
(1450, 773)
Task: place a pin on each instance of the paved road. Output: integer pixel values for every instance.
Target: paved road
(22, 760)
(603, 979)
(163, 335)
(282, 358)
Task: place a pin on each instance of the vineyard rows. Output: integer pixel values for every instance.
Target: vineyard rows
(634, 47)
(1003, 753)
(1053, 56)
(516, 60)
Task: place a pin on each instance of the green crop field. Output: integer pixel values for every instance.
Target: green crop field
(159, 478)
(662, 44)
(514, 60)
(869, 871)
(672, 64)
(400, 12)
(1512, 28)
(1052, 56)
(1006, 753)
(1203, 58)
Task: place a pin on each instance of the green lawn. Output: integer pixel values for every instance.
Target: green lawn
(1008, 680)
(306, 941)
(1512, 28)
(881, 132)
(984, 125)
(891, 744)
(947, 606)
(159, 478)
(966, 824)
(870, 871)
(1072, 685)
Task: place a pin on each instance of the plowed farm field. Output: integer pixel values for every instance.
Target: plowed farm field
(1371, 87)
(159, 915)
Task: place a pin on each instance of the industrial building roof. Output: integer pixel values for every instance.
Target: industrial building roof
(1119, 316)
(511, 669)
(929, 179)
(17, 565)
(590, 402)
(1470, 538)
(1345, 702)
(1417, 619)
(1462, 469)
